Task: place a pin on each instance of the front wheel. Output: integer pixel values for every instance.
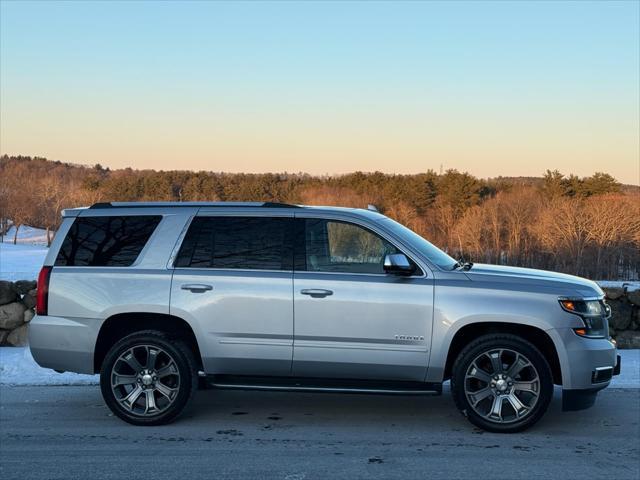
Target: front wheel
(502, 383)
(148, 378)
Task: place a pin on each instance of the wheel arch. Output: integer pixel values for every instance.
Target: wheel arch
(538, 337)
(122, 324)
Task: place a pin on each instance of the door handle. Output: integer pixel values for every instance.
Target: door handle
(316, 292)
(196, 287)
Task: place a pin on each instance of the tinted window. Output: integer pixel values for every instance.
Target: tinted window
(332, 246)
(106, 241)
(255, 243)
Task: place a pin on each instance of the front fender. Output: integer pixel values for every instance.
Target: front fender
(459, 305)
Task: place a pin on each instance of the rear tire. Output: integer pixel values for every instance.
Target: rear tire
(502, 383)
(148, 378)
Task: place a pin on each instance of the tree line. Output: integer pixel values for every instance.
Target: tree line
(587, 226)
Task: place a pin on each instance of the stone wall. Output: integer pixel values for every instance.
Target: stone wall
(18, 300)
(17, 304)
(624, 324)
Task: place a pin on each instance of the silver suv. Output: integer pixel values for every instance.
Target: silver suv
(159, 297)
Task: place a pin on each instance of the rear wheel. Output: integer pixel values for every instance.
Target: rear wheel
(502, 383)
(148, 378)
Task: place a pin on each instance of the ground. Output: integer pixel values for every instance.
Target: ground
(67, 432)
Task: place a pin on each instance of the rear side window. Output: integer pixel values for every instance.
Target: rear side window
(106, 241)
(253, 243)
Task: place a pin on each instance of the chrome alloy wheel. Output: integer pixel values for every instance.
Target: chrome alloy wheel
(502, 385)
(145, 380)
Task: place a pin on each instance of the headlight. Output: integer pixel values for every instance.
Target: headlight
(594, 313)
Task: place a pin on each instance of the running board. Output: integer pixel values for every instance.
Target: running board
(287, 384)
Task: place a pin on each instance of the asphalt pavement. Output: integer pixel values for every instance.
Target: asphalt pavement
(63, 432)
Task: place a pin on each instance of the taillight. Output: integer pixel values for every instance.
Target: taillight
(42, 299)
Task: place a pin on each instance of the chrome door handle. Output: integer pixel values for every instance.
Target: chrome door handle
(316, 292)
(196, 287)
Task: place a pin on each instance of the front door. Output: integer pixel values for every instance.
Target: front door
(352, 320)
(233, 282)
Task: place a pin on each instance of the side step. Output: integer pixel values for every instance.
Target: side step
(293, 384)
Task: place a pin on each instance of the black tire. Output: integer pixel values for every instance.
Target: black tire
(183, 376)
(461, 384)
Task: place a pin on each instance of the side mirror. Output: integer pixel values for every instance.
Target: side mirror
(398, 264)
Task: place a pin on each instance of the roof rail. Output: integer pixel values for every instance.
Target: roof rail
(100, 205)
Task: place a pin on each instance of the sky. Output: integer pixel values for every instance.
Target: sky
(492, 88)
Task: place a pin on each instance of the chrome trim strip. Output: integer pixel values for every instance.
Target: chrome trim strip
(234, 386)
(408, 348)
(257, 342)
(602, 369)
(214, 269)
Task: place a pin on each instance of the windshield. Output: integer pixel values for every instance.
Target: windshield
(433, 253)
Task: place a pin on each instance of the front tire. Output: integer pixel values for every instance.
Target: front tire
(148, 378)
(502, 383)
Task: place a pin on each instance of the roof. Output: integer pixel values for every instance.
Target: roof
(74, 212)
(190, 204)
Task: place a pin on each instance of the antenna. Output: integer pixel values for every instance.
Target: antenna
(372, 208)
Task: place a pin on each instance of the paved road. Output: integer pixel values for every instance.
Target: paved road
(67, 432)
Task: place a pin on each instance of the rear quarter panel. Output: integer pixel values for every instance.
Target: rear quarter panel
(100, 292)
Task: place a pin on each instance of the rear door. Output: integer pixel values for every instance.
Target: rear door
(352, 320)
(233, 279)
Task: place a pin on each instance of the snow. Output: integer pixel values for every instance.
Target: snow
(630, 284)
(17, 367)
(28, 235)
(630, 373)
(21, 262)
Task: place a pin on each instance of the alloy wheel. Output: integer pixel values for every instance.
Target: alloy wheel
(502, 385)
(145, 380)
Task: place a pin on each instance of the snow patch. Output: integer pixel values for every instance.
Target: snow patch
(21, 262)
(17, 367)
(27, 235)
(630, 284)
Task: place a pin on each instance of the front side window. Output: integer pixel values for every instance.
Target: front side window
(106, 241)
(253, 243)
(433, 253)
(334, 246)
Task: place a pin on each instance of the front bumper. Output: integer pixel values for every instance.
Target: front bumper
(580, 357)
(580, 399)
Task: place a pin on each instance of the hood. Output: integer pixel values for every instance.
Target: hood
(552, 282)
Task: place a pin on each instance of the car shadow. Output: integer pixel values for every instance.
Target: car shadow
(235, 409)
